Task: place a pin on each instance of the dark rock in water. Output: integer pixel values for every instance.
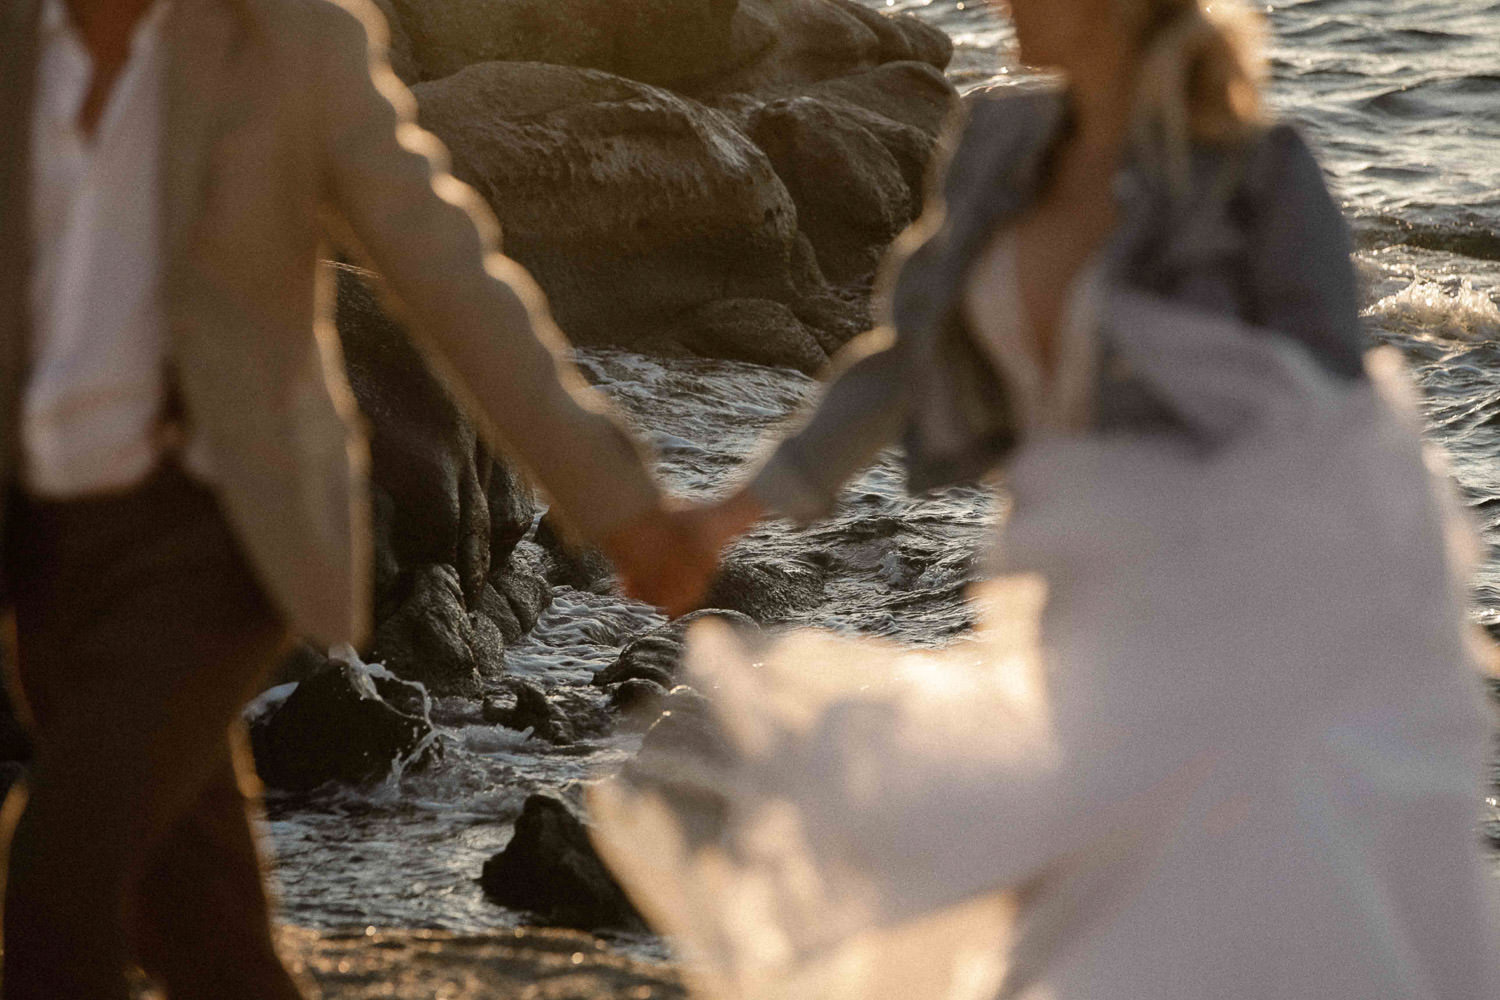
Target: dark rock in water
(531, 710)
(431, 638)
(438, 496)
(629, 204)
(655, 655)
(568, 565)
(768, 590)
(341, 725)
(758, 330)
(654, 41)
(520, 581)
(652, 657)
(550, 868)
(851, 195)
(637, 700)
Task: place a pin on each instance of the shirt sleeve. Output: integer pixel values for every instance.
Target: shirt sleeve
(860, 413)
(1301, 278)
(479, 318)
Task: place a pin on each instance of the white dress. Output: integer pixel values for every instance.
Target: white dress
(1219, 735)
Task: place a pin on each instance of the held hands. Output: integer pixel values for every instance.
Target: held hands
(669, 556)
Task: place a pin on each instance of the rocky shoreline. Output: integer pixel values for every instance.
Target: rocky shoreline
(682, 178)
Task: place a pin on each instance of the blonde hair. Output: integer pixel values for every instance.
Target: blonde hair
(1200, 75)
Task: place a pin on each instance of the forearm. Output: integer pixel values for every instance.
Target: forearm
(860, 413)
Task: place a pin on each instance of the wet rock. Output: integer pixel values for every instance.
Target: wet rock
(341, 725)
(656, 655)
(630, 205)
(637, 700)
(851, 195)
(651, 657)
(910, 93)
(521, 582)
(532, 710)
(757, 330)
(568, 565)
(768, 590)
(432, 639)
(550, 868)
(654, 41)
(438, 496)
(780, 42)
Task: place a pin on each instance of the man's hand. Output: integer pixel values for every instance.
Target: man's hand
(662, 558)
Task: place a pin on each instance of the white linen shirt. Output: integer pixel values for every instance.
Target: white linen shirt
(91, 419)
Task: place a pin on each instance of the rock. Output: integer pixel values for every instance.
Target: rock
(637, 700)
(567, 565)
(903, 37)
(530, 710)
(911, 93)
(631, 206)
(654, 41)
(766, 590)
(789, 42)
(430, 637)
(655, 655)
(520, 580)
(438, 496)
(758, 330)
(341, 725)
(851, 194)
(550, 868)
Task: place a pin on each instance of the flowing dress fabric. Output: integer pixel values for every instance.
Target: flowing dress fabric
(1219, 733)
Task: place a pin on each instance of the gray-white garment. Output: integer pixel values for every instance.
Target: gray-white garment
(91, 419)
(1219, 734)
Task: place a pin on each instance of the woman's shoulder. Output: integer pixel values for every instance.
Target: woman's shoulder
(1001, 124)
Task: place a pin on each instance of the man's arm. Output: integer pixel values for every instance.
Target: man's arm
(478, 316)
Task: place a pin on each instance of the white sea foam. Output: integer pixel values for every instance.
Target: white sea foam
(1461, 313)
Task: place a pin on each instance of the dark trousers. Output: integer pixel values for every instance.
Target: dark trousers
(139, 633)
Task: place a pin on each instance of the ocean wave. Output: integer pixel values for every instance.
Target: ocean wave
(1475, 239)
(1460, 312)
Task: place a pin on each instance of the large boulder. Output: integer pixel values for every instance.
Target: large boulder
(432, 638)
(550, 869)
(630, 205)
(440, 497)
(347, 723)
(851, 194)
(447, 517)
(655, 41)
(781, 43)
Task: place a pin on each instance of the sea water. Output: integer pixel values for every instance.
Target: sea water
(1401, 100)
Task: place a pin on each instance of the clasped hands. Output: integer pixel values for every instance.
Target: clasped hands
(669, 556)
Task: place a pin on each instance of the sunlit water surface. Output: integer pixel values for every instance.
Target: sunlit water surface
(1402, 100)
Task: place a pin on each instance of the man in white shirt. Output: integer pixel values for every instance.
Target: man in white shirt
(185, 476)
